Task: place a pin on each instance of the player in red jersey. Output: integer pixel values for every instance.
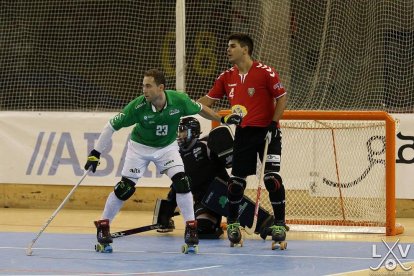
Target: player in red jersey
(256, 93)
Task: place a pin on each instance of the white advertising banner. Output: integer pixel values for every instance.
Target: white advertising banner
(52, 147)
(405, 156)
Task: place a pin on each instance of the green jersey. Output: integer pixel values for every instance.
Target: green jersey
(155, 128)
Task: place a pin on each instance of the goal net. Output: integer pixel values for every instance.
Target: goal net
(331, 55)
(338, 170)
(91, 55)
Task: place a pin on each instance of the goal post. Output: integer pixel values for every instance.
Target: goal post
(338, 168)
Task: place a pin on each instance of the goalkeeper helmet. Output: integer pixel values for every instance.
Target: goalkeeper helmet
(188, 131)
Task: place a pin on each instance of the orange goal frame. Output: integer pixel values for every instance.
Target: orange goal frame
(391, 228)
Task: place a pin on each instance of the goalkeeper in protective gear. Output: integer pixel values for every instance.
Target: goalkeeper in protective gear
(206, 161)
(156, 115)
(202, 166)
(255, 92)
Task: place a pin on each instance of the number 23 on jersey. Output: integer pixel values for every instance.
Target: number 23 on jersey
(161, 130)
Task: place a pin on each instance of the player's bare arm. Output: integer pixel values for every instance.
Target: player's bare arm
(208, 113)
(230, 119)
(280, 108)
(207, 101)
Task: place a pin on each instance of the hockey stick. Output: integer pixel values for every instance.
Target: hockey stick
(29, 250)
(138, 229)
(134, 231)
(250, 230)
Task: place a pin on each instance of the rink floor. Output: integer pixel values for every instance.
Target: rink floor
(67, 248)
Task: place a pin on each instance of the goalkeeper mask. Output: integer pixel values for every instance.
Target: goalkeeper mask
(188, 132)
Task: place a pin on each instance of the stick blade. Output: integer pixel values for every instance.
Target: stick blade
(29, 251)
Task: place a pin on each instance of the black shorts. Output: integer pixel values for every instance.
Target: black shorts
(249, 143)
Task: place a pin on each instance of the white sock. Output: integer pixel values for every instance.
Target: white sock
(112, 207)
(186, 205)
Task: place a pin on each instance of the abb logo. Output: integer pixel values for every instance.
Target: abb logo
(53, 150)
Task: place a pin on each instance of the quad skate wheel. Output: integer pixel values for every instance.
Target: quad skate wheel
(189, 249)
(194, 249)
(279, 245)
(103, 248)
(236, 244)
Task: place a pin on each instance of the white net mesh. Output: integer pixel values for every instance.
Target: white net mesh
(80, 55)
(91, 55)
(333, 173)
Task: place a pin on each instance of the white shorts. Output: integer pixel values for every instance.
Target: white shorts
(137, 158)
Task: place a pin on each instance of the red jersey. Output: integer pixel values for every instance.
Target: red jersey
(255, 92)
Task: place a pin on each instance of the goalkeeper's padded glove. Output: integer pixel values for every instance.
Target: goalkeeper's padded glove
(93, 160)
(271, 131)
(231, 119)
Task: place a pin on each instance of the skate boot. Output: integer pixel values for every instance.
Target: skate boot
(267, 229)
(278, 233)
(190, 238)
(103, 236)
(167, 228)
(234, 235)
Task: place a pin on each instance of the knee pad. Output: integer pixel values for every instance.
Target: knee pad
(235, 189)
(236, 186)
(124, 189)
(273, 181)
(181, 183)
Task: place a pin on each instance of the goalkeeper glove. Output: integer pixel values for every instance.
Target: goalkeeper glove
(271, 131)
(231, 119)
(93, 160)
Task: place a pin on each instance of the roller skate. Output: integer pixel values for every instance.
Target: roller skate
(278, 233)
(167, 228)
(190, 238)
(234, 235)
(103, 236)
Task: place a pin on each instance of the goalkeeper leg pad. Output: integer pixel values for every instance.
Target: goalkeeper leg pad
(163, 212)
(215, 200)
(208, 222)
(124, 189)
(207, 229)
(220, 141)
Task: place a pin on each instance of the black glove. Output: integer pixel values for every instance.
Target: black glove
(93, 160)
(271, 131)
(231, 119)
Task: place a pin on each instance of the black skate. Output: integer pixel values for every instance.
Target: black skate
(190, 238)
(103, 236)
(278, 233)
(167, 228)
(267, 230)
(234, 235)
